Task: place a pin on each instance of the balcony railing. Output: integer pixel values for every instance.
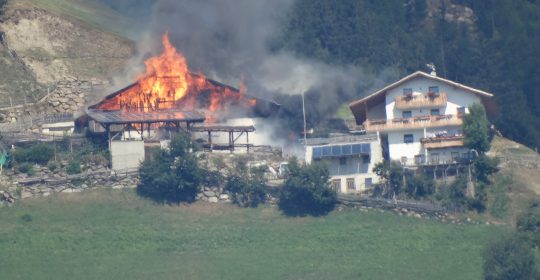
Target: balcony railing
(442, 141)
(412, 123)
(421, 101)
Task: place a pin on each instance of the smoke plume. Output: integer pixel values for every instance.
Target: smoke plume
(230, 41)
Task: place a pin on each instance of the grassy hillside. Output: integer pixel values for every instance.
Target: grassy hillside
(91, 12)
(116, 235)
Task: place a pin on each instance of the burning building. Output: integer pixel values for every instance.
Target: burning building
(169, 96)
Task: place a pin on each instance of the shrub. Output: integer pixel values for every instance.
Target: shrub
(529, 222)
(26, 218)
(173, 175)
(391, 174)
(52, 165)
(26, 168)
(306, 191)
(510, 257)
(247, 187)
(39, 153)
(73, 167)
(418, 186)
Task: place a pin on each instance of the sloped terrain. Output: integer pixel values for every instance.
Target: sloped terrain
(55, 40)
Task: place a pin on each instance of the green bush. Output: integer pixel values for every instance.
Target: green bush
(26, 218)
(247, 188)
(529, 222)
(306, 191)
(52, 165)
(26, 168)
(73, 167)
(510, 257)
(39, 153)
(173, 175)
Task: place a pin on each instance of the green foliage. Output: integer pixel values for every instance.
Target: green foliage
(26, 218)
(476, 129)
(499, 206)
(510, 257)
(173, 175)
(484, 167)
(392, 175)
(73, 167)
(418, 186)
(26, 168)
(52, 165)
(247, 190)
(529, 222)
(39, 153)
(306, 191)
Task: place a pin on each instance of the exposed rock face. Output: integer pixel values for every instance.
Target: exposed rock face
(54, 47)
(454, 13)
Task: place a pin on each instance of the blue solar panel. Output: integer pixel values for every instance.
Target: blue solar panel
(326, 151)
(336, 151)
(356, 149)
(346, 150)
(366, 149)
(317, 152)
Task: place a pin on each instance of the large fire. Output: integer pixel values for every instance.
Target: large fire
(169, 84)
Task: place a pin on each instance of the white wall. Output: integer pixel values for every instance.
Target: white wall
(398, 149)
(127, 155)
(456, 97)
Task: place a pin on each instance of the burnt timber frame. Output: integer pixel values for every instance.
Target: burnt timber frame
(209, 129)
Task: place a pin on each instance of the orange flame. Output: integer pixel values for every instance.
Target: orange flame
(168, 84)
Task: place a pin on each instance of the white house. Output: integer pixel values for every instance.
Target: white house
(350, 160)
(419, 118)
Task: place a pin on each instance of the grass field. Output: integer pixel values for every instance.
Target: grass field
(116, 235)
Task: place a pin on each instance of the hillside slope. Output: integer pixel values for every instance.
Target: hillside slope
(56, 43)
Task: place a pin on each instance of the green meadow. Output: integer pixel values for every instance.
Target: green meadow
(117, 235)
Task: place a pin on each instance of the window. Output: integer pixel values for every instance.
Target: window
(455, 156)
(461, 111)
(404, 160)
(407, 91)
(434, 158)
(342, 161)
(408, 138)
(435, 112)
(366, 159)
(336, 185)
(406, 114)
(368, 182)
(433, 90)
(350, 184)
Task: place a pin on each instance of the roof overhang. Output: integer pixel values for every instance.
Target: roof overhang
(359, 107)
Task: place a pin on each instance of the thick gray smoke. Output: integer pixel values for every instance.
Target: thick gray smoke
(229, 40)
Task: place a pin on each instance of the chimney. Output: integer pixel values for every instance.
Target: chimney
(433, 69)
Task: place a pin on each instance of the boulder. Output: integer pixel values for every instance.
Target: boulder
(209, 193)
(213, 199)
(224, 197)
(26, 194)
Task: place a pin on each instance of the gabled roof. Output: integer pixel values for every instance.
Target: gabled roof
(378, 96)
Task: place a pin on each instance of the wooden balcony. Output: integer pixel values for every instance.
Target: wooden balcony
(442, 142)
(428, 100)
(412, 123)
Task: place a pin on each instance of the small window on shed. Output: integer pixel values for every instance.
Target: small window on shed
(433, 90)
(408, 138)
(350, 184)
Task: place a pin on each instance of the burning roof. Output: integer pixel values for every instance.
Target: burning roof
(168, 84)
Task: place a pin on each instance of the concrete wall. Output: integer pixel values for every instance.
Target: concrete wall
(456, 97)
(127, 155)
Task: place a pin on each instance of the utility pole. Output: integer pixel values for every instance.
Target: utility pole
(305, 124)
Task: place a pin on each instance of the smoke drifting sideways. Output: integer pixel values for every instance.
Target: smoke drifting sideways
(230, 41)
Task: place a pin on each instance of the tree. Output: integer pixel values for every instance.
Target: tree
(392, 175)
(476, 129)
(247, 186)
(306, 191)
(510, 257)
(172, 175)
